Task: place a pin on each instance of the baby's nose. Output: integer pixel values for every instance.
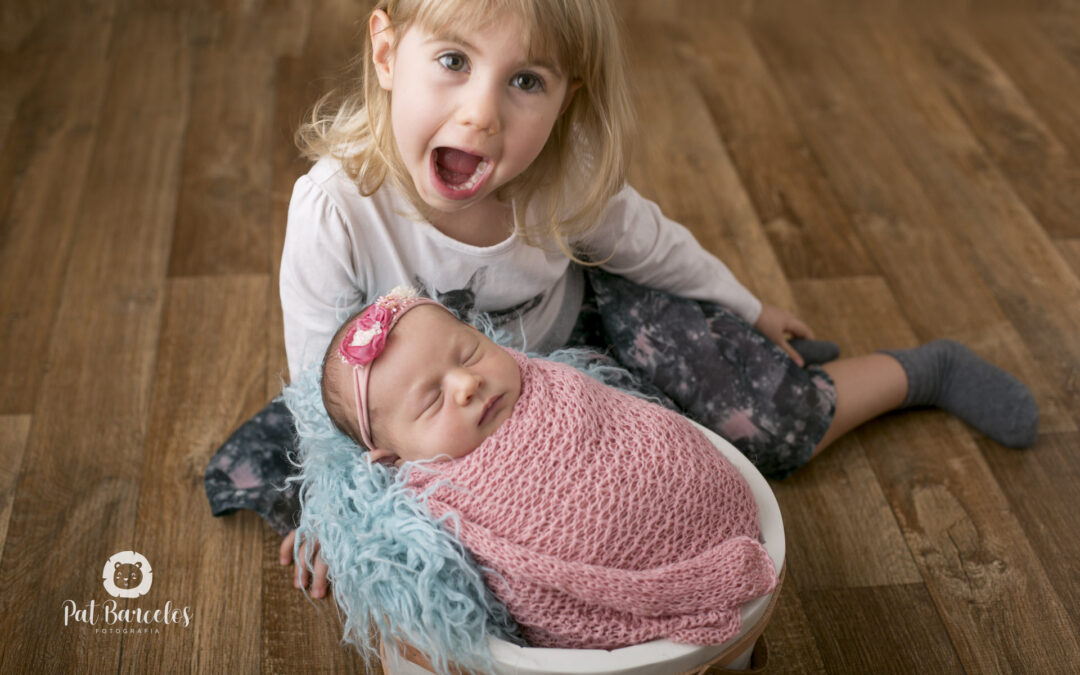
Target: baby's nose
(465, 385)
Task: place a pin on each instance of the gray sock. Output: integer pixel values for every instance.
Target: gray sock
(948, 375)
(815, 352)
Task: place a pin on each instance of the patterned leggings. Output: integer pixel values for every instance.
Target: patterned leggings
(694, 357)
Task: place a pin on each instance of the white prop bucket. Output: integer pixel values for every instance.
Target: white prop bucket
(659, 657)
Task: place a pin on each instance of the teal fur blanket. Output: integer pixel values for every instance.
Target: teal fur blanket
(394, 570)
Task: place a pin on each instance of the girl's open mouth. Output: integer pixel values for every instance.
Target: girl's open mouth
(458, 174)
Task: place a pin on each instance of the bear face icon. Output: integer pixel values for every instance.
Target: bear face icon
(128, 575)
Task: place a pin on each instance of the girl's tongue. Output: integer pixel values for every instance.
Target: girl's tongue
(456, 167)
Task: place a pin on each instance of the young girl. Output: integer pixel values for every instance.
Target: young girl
(601, 520)
(486, 152)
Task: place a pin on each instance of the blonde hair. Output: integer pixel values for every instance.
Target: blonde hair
(587, 151)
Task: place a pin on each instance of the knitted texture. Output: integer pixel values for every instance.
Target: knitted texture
(603, 520)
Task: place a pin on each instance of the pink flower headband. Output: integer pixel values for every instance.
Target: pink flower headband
(365, 339)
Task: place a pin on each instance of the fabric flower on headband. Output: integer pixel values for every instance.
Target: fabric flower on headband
(365, 339)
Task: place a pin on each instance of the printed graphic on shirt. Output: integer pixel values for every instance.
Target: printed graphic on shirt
(463, 300)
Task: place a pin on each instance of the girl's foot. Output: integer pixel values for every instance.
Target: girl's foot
(948, 375)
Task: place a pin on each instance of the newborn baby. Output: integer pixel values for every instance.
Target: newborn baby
(601, 520)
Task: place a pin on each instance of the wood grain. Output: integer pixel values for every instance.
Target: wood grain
(14, 430)
(792, 648)
(76, 501)
(1039, 488)
(1070, 252)
(806, 225)
(880, 629)
(316, 65)
(996, 225)
(1038, 70)
(841, 527)
(917, 197)
(978, 565)
(1009, 129)
(686, 145)
(56, 103)
(224, 211)
(211, 330)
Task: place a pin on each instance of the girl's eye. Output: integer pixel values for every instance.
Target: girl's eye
(453, 61)
(527, 82)
(470, 357)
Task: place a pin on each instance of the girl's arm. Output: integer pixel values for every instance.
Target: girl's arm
(653, 250)
(319, 281)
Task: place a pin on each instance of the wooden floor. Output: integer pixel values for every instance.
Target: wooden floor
(894, 174)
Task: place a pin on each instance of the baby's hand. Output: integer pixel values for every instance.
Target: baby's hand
(778, 325)
(285, 556)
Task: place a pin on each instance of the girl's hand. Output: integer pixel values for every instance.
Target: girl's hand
(318, 580)
(779, 325)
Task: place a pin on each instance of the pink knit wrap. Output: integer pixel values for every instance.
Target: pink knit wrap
(606, 520)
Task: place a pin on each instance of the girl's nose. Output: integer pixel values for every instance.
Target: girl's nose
(464, 385)
(480, 108)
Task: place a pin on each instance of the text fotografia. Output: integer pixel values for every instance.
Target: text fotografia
(107, 614)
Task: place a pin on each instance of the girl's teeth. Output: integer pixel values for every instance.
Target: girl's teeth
(474, 178)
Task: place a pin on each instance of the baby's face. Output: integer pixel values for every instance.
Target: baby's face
(440, 387)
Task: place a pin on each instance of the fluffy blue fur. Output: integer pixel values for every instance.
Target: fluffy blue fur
(394, 570)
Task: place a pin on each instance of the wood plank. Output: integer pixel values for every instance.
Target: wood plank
(880, 629)
(76, 501)
(211, 331)
(294, 627)
(881, 10)
(986, 211)
(1041, 170)
(839, 526)
(18, 74)
(805, 222)
(1062, 28)
(17, 21)
(300, 80)
(42, 173)
(1041, 487)
(730, 216)
(792, 648)
(14, 430)
(702, 189)
(1048, 81)
(323, 62)
(906, 208)
(225, 205)
(683, 166)
(989, 585)
(1070, 251)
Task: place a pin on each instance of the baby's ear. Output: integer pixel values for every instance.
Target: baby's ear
(382, 457)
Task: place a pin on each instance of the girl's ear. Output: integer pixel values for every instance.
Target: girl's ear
(382, 48)
(570, 89)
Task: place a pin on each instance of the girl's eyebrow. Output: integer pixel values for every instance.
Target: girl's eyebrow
(451, 36)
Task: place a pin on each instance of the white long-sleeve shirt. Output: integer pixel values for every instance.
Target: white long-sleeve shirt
(342, 250)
